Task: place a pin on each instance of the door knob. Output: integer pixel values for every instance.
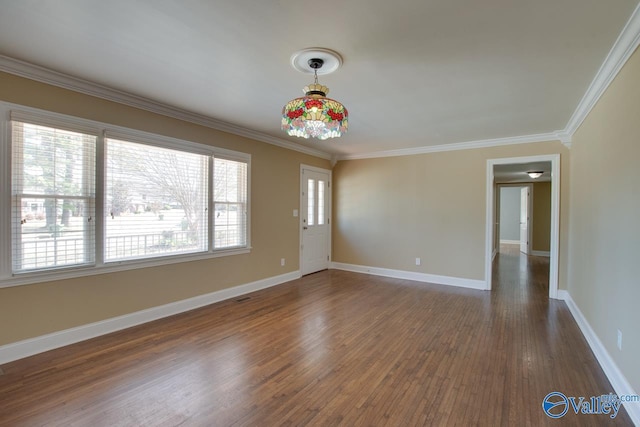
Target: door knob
(304, 228)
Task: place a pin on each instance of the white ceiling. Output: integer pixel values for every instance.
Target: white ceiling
(416, 73)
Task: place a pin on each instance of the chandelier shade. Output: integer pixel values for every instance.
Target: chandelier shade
(315, 115)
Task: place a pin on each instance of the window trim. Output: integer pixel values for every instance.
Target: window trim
(10, 111)
(213, 202)
(18, 194)
(111, 139)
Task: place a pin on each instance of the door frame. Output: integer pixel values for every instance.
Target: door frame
(300, 210)
(555, 215)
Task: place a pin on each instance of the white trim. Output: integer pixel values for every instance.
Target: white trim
(94, 127)
(29, 347)
(113, 266)
(626, 43)
(411, 275)
(555, 215)
(496, 142)
(608, 365)
(622, 49)
(10, 111)
(541, 253)
(5, 192)
(44, 75)
(565, 138)
(509, 242)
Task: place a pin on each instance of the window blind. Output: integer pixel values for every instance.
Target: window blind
(155, 201)
(53, 197)
(230, 203)
(157, 197)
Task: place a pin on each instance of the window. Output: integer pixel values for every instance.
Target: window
(311, 201)
(156, 201)
(316, 210)
(321, 202)
(86, 199)
(230, 203)
(53, 197)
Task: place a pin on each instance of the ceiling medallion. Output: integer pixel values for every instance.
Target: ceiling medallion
(315, 115)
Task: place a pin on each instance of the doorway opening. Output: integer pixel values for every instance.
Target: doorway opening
(514, 171)
(514, 216)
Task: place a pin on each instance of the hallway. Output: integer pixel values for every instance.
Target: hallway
(549, 347)
(518, 276)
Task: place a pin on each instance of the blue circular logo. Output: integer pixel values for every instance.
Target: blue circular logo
(555, 404)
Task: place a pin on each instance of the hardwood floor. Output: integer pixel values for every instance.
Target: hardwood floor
(332, 348)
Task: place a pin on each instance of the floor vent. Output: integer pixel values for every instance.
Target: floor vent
(243, 299)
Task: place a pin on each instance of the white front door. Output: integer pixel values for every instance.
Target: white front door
(314, 221)
(524, 220)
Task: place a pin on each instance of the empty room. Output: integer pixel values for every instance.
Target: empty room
(218, 213)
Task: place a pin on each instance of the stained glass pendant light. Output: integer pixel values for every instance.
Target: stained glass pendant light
(315, 115)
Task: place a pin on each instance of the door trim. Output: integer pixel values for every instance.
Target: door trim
(555, 215)
(300, 210)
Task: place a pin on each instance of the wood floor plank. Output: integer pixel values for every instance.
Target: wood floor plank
(332, 348)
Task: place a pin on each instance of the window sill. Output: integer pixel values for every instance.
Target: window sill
(28, 278)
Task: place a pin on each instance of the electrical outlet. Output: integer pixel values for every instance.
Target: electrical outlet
(418, 261)
(619, 340)
(282, 262)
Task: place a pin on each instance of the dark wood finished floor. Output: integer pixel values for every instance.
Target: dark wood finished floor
(333, 348)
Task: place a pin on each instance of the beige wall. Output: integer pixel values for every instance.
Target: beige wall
(389, 211)
(604, 278)
(32, 310)
(541, 213)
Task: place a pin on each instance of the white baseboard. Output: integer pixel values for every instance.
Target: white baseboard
(541, 253)
(411, 275)
(29, 347)
(611, 370)
(510, 242)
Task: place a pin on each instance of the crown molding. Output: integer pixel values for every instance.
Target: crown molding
(623, 48)
(626, 43)
(565, 138)
(497, 142)
(44, 75)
